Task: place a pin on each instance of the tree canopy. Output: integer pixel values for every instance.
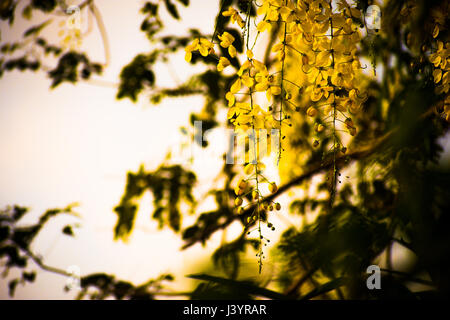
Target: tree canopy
(348, 100)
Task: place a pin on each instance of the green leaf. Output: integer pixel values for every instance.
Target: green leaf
(172, 9)
(36, 29)
(245, 286)
(27, 12)
(29, 276)
(150, 8)
(12, 286)
(136, 76)
(67, 230)
(44, 5)
(329, 286)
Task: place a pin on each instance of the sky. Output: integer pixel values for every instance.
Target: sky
(76, 144)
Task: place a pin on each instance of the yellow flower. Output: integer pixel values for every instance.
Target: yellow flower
(231, 99)
(317, 75)
(352, 106)
(275, 90)
(223, 63)
(280, 48)
(236, 86)
(319, 92)
(273, 187)
(350, 11)
(227, 42)
(242, 183)
(242, 110)
(312, 112)
(247, 80)
(439, 58)
(323, 58)
(238, 191)
(435, 31)
(437, 75)
(235, 17)
(342, 75)
(192, 47)
(204, 46)
(250, 168)
(353, 102)
(245, 66)
(262, 79)
(316, 143)
(259, 66)
(263, 26)
(320, 128)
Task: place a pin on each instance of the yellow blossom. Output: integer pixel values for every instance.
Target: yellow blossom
(234, 15)
(223, 63)
(204, 46)
(227, 42)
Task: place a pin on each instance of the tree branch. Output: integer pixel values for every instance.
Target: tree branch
(314, 169)
(48, 268)
(103, 34)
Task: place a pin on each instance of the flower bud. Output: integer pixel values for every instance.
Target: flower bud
(312, 112)
(273, 187)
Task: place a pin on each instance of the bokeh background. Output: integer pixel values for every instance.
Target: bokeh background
(76, 143)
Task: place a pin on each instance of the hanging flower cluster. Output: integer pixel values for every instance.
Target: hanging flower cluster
(326, 41)
(71, 37)
(319, 40)
(441, 61)
(315, 40)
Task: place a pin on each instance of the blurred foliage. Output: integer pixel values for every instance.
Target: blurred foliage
(30, 52)
(391, 188)
(169, 186)
(16, 239)
(16, 252)
(100, 286)
(71, 66)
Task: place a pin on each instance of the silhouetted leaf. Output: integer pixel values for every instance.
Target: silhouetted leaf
(36, 29)
(67, 230)
(329, 286)
(136, 76)
(172, 9)
(244, 286)
(184, 2)
(12, 285)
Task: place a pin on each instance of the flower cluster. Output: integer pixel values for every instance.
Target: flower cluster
(201, 45)
(319, 41)
(313, 72)
(71, 38)
(441, 61)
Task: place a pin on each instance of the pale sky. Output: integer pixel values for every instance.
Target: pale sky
(76, 144)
